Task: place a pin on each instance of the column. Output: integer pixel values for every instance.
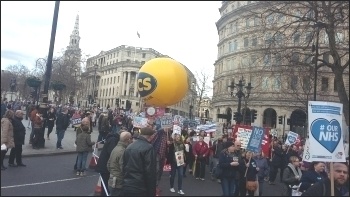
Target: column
(136, 85)
(122, 84)
(128, 84)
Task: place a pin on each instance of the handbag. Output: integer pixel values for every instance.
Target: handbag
(251, 185)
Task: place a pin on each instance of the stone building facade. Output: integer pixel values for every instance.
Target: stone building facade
(115, 73)
(242, 55)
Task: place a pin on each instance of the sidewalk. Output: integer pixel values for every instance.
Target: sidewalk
(50, 145)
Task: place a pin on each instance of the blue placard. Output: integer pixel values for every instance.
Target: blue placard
(254, 144)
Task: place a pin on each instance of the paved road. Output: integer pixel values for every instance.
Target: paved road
(193, 187)
(47, 176)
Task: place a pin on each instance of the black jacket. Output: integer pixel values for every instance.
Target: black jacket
(111, 142)
(62, 121)
(19, 131)
(139, 168)
(51, 123)
(324, 189)
(278, 157)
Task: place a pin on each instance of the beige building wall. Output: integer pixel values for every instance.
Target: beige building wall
(116, 76)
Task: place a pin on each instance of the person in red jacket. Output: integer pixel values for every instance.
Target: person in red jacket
(201, 154)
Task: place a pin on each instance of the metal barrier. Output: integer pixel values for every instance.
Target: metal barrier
(94, 154)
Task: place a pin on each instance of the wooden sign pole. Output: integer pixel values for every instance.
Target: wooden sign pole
(331, 170)
(245, 174)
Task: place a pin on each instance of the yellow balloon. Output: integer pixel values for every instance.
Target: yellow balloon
(162, 82)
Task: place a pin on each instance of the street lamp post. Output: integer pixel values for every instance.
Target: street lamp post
(315, 46)
(93, 87)
(240, 94)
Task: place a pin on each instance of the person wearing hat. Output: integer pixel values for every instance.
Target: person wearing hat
(139, 166)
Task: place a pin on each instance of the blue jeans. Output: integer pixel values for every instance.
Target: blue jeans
(81, 164)
(228, 186)
(180, 173)
(60, 135)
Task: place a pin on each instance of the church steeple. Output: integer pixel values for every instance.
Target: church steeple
(74, 37)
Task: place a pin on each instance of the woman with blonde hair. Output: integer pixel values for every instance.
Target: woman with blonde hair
(7, 140)
(291, 175)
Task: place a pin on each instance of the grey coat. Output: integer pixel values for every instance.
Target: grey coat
(83, 142)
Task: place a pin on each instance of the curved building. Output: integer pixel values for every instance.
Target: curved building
(281, 85)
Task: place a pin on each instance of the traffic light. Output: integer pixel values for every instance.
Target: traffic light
(237, 117)
(117, 102)
(288, 121)
(280, 118)
(127, 105)
(254, 114)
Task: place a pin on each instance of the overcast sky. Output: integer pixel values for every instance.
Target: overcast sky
(185, 31)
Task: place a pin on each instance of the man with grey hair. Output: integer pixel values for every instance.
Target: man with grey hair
(115, 163)
(139, 166)
(19, 132)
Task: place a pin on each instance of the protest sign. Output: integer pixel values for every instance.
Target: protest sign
(325, 131)
(76, 121)
(291, 138)
(179, 156)
(177, 129)
(140, 122)
(306, 152)
(166, 121)
(256, 137)
(243, 135)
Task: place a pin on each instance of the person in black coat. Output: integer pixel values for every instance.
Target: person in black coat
(140, 167)
(277, 161)
(62, 124)
(19, 132)
(51, 118)
(101, 167)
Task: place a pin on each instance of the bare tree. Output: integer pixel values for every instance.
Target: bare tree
(20, 73)
(202, 87)
(295, 32)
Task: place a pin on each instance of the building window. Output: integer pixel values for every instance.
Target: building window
(143, 55)
(118, 78)
(247, 23)
(308, 37)
(277, 85)
(326, 57)
(246, 42)
(267, 59)
(129, 53)
(295, 57)
(306, 84)
(236, 27)
(335, 87)
(114, 80)
(279, 39)
(235, 45)
(270, 19)
(265, 83)
(294, 82)
(296, 38)
(253, 60)
(256, 21)
(268, 39)
(230, 47)
(281, 18)
(278, 59)
(339, 37)
(254, 42)
(324, 86)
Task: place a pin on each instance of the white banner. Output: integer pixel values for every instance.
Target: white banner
(325, 131)
(291, 138)
(243, 135)
(177, 129)
(306, 152)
